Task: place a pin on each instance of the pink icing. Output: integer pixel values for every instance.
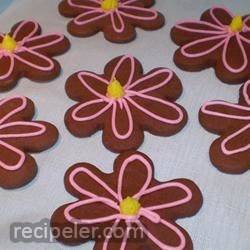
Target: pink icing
(21, 47)
(4, 125)
(220, 32)
(147, 212)
(127, 99)
(117, 12)
(205, 110)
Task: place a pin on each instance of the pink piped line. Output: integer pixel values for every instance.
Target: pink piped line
(107, 239)
(81, 78)
(112, 16)
(82, 5)
(87, 202)
(130, 121)
(18, 152)
(171, 204)
(224, 55)
(218, 30)
(16, 110)
(245, 94)
(91, 117)
(132, 71)
(122, 171)
(226, 104)
(215, 18)
(153, 115)
(160, 244)
(59, 39)
(148, 18)
(232, 136)
(206, 52)
(164, 82)
(22, 24)
(42, 68)
(92, 176)
(11, 68)
(102, 15)
(42, 129)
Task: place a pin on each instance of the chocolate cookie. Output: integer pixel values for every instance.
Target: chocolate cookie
(19, 135)
(231, 152)
(128, 200)
(220, 40)
(115, 18)
(123, 102)
(24, 52)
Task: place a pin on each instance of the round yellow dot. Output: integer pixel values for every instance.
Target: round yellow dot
(237, 24)
(108, 5)
(130, 206)
(115, 90)
(9, 44)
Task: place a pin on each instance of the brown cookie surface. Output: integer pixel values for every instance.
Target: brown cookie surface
(127, 200)
(220, 40)
(25, 52)
(117, 19)
(18, 136)
(123, 102)
(230, 153)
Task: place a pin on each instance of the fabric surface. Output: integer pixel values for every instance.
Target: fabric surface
(224, 219)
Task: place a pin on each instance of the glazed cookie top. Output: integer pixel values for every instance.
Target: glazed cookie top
(232, 122)
(116, 18)
(130, 198)
(25, 50)
(218, 30)
(124, 102)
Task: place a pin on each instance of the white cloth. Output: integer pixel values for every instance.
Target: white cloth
(224, 219)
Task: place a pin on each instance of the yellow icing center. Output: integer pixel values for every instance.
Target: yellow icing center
(236, 24)
(130, 206)
(108, 5)
(115, 90)
(9, 44)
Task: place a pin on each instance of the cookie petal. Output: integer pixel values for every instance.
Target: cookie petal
(237, 142)
(94, 84)
(183, 194)
(6, 66)
(246, 93)
(92, 211)
(158, 109)
(220, 16)
(153, 82)
(134, 167)
(13, 107)
(88, 181)
(11, 158)
(21, 129)
(203, 47)
(124, 70)
(164, 235)
(25, 30)
(84, 4)
(34, 60)
(122, 120)
(234, 47)
(45, 42)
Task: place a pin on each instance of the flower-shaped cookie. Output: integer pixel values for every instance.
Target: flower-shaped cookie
(123, 103)
(128, 200)
(220, 40)
(117, 19)
(25, 52)
(231, 152)
(19, 135)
